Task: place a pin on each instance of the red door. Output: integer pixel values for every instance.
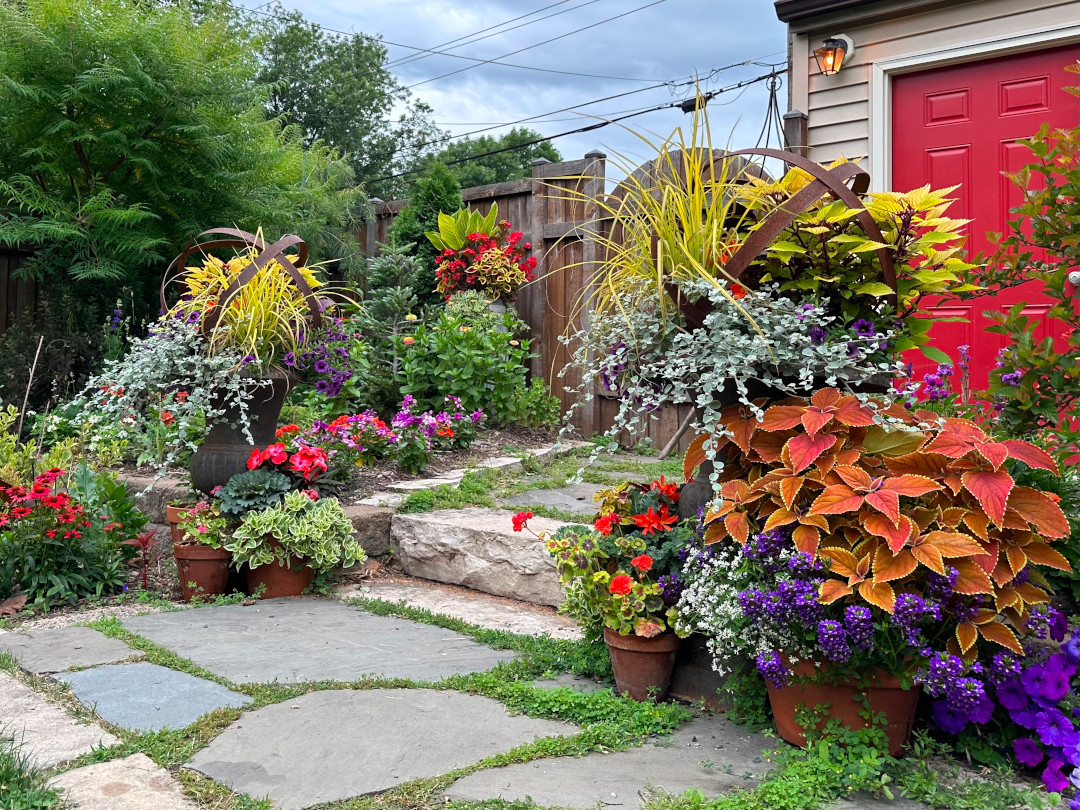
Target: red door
(960, 124)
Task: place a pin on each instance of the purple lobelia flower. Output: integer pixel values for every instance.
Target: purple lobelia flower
(772, 669)
(833, 640)
(860, 626)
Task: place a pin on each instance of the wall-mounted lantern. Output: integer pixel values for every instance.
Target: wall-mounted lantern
(832, 53)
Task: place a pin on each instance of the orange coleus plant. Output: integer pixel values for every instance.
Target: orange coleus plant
(887, 496)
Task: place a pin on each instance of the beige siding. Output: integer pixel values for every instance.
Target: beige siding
(839, 107)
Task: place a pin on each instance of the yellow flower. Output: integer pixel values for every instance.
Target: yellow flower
(410, 317)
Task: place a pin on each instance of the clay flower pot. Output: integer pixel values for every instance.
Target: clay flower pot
(281, 580)
(172, 517)
(642, 666)
(886, 697)
(203, 571)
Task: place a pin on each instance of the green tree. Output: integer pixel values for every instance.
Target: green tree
(510, 165)
(437, 191)
(338, 90)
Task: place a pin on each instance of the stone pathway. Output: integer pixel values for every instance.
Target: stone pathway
(709, 753)
(47, 651)
(482, 610)
(296, 752)
(131, 783)
(312, 639)
(148, 697)
(43, 729)
(577, 499)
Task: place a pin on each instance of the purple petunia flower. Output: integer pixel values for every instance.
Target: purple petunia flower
(1053, 779)
(817, 335)
(947, 718)
(1012, 695)
(322, 386)
(248, 360)
(1027, 751)
(863, 327)
(322, 366)
(1053, 727)
(290, 359)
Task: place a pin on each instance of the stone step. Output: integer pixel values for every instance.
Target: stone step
(479, 549)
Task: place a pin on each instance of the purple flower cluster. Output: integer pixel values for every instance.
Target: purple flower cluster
(772, 669)
(910, 612)
(936, 385)
(860, 627)
(790, 602)
(833, 640)
(671, 587)
(817, 335)
(117, 316)
(328, 357)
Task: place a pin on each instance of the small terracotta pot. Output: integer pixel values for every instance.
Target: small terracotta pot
(642, 666)
(172, 516)
(205, 568)
(886, 697)
(281, 580)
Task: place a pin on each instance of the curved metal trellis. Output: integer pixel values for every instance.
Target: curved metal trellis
(243, 240)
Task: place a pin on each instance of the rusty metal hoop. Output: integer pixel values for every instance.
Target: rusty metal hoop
(826, 181)
(241, 240)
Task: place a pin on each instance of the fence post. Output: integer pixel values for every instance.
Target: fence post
(538, 303)
(371, 228)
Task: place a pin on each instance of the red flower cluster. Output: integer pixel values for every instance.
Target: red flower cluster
(605, 523)
(41, 499)
(642, 562)
(308, 462)
(520, 519)
(621, 584)
(653, 521)
(454, 268)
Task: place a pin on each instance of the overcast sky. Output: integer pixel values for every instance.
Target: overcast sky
(666, 40)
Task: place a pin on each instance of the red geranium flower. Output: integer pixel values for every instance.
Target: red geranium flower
(605, 523)
(642, 562)
(520, 519)
(621, 584)
(653, 521)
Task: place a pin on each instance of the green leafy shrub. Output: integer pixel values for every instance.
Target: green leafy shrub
(535, 407)
(484, 367)
(252, 491)
(319, 532)
(21, 461)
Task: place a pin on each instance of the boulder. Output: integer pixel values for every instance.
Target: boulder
(371, 527)
(479, 549)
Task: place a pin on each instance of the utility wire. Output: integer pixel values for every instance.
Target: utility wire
(538, 44)
(703, 99)
(475, 59)
(469, 37)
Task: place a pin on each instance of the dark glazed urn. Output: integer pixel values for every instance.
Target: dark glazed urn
(226, 449)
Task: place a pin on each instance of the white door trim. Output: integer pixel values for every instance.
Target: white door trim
(881, 73)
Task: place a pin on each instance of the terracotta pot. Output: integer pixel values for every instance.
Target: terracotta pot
(205, 568)
(172, 517)
(281, 580)
(886, 697)
(226, 449)
(642, 665)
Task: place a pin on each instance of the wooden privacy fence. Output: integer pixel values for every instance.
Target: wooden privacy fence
(558, 211)
(19, 297)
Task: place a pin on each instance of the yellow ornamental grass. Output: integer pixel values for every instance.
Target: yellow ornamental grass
(264, 319)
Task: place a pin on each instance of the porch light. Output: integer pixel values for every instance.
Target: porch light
(830, 56)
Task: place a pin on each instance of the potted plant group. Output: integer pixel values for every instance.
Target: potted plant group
(202, 564)
(620, 579)
(286, 545)
(858, 551)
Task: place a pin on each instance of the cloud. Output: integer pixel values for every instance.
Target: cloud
(673, 40)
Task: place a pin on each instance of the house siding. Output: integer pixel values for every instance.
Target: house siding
(838, 107)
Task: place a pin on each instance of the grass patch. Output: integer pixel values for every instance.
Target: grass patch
(477, 488)
(22, 787)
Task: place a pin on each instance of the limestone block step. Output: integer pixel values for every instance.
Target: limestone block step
(479, 549)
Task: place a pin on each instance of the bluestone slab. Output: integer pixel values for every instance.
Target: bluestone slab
(674, 764)
(46, 733)
(46, 651)
(313, 639)
(131, 783)
(148, 697)
(332, 745)
(577, 499)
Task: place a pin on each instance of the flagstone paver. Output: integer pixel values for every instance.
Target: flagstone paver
(674, 764)
(148, 697)
(46, 733)
(478, 609)
(131, 783)
(577, 499)
(327, 746)
(313, 639)
(46, 651)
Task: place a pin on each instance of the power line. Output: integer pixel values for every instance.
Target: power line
(538, 44)
(478, 60)
(416, 57)
(704, 99)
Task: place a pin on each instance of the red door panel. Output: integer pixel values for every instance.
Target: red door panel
(960, 125)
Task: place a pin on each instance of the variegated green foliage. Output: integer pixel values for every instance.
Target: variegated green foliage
(454, 229)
